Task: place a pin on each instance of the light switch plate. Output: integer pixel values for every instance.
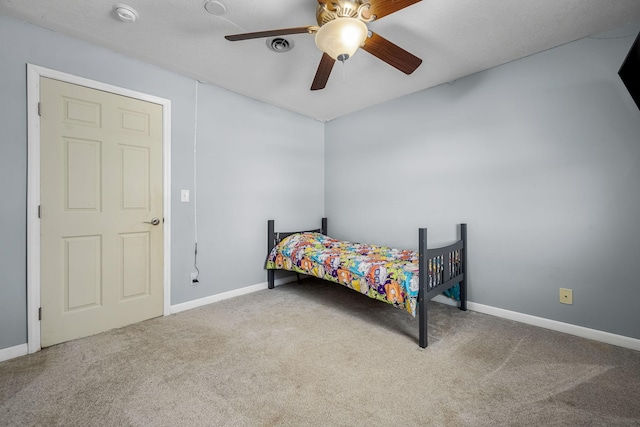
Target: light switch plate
(184, 195)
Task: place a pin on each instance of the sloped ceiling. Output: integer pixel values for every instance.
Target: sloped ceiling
(453, 37)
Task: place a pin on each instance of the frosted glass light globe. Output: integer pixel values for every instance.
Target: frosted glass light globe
(341, 37)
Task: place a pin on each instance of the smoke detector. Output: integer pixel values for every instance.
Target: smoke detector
(125, 13)
(215, 7)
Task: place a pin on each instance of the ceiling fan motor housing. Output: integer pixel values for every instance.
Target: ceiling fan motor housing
(332, 9)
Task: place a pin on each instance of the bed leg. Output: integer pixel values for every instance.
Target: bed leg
(271, 242)
(271, 279)
(423, 327)
(463, 282)
(422, 300)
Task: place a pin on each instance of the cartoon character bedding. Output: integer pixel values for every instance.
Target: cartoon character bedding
(382, 273)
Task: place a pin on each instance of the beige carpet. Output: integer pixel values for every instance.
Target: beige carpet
(318, 354)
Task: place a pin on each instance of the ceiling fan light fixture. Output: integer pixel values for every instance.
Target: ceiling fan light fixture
(342, 37)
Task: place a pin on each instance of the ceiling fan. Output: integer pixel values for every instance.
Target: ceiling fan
(342, 29)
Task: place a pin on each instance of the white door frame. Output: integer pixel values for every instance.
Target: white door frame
(34, 73)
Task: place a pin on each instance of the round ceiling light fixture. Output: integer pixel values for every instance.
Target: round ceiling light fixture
(215, 7)
(125, 13)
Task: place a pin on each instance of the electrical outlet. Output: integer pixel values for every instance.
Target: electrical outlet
(194, 278)
(566, 296)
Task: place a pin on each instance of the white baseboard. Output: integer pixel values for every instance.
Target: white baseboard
(13, 352)
(177, 308)
(567, 328)
(580, 331)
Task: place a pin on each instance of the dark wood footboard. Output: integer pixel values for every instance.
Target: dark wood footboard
(440, 269)
(273, 238)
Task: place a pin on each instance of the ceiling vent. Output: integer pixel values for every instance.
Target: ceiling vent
(630, 71)
(279, 44)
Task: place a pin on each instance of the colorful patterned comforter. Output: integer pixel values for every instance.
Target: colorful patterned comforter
(386, 274)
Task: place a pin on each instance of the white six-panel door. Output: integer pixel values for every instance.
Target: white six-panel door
(101, 191)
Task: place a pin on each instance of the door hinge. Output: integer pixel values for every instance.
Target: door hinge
(40, 313)
(39, 211)
(39, 108)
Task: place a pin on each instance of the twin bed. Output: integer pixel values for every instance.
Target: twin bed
(403, 278)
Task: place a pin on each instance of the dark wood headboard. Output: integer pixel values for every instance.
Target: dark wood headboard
(275, 237)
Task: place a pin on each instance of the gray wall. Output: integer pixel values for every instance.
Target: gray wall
(237, 191)
(541, 157)
(255, 162)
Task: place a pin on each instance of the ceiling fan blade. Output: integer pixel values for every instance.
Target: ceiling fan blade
(392, 54)
(270, 33)
(382, 8)
(324, 70)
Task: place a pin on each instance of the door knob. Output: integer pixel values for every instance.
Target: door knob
(154, 221)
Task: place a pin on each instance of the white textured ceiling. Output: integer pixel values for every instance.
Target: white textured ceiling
(453, 37)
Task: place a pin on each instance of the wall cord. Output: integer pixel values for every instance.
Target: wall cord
(195, 189)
